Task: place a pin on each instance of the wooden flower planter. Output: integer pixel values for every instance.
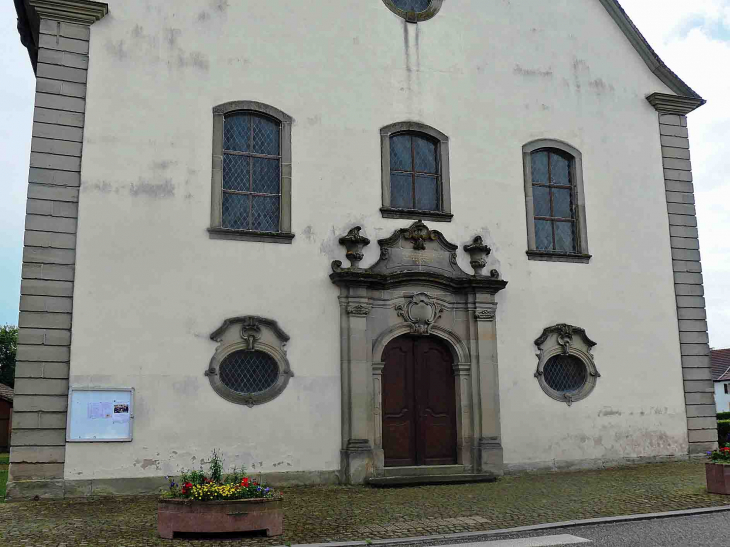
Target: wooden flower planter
(718, 478)
(205, 517)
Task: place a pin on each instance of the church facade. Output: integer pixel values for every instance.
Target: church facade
(347, 240)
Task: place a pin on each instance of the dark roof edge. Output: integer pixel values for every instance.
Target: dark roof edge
(652, 60)
(26, 32)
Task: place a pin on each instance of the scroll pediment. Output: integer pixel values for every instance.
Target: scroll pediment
(415, 254)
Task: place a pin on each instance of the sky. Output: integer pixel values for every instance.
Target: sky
(693, 39)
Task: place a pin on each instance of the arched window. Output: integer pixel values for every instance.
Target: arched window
(251, 173)
(554, 200)
(415, 172)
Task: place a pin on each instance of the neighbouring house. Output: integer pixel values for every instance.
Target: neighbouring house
(6, 416)
(721, 376)
(342, 240)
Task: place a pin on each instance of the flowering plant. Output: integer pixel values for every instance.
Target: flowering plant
(721, 455)
(214, 485)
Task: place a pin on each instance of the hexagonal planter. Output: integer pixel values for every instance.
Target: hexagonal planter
(206, 517)
(718, 478)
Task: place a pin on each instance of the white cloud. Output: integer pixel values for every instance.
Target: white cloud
(694, 40)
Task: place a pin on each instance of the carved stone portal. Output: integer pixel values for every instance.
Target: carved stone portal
(416, 287)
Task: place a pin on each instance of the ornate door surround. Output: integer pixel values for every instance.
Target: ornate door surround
(416, 287)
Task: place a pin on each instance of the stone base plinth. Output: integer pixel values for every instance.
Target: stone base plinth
(206, 517)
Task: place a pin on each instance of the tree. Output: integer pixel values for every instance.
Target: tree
(8, 349)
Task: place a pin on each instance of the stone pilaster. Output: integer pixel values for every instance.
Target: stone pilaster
(490, 456)
(688, 288)
(37, 453)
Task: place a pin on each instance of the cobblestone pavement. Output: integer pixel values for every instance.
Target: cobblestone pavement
(314, 515)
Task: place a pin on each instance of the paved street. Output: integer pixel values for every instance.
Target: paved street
(318, 515)
(698, 530)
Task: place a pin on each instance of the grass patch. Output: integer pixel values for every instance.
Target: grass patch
(3, 482)
(4, 461)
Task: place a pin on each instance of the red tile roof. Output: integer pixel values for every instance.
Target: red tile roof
(6, 392)
(720, 364)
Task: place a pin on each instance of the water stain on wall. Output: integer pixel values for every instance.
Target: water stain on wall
(143, 188)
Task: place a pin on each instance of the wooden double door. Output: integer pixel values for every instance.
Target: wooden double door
(419, 404)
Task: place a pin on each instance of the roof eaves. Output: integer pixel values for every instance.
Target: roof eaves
(26, 33)
(650, 57)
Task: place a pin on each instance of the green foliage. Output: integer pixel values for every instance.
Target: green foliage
(721, 455)
(216, 467)
(723, 432)
(213, 485)
(723, 415)
(8, 349)
(235, 476)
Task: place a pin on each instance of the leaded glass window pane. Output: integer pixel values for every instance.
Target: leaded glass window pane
(564, 238)
(565, 373)
(553, 201)
(559, 170)
(265, 136)
(251, 188)
(235, 211)
(401, 191)
(541, 201)
(236, 172)
(249, 372)
(540, 167)
(412, 5)
(561, 203)
(265, 213)
(414, 172)
(400, 153)
(427, 193)
(424, 153)
(237, 133)
(266, 178)
(544, 235)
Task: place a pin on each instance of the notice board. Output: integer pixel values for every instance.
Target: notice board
(100, 414)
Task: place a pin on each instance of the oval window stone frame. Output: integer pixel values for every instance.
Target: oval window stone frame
(250, 333)
(565, 339)
(415, 17)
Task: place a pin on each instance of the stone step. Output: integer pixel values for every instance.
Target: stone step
(417, 470)
(421, 480)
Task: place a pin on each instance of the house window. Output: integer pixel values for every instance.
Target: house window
(555, 204)
(414, 11)
(251, 195)
(726, 389)
(415, 175)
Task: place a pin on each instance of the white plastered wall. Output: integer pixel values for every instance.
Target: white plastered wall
(722, 399)
(151, 286)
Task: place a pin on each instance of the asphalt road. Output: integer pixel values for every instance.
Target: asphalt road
(711, 530)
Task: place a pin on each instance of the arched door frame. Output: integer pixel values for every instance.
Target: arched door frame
(462, 390)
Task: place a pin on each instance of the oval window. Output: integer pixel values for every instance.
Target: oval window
(565, 374)
(412, 5)
(249, 372)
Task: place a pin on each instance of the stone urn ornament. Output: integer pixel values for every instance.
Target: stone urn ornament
(354, 243)
(478, 253)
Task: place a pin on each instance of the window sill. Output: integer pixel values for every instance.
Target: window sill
(546, 256)
(251, 235)
(414, 214)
